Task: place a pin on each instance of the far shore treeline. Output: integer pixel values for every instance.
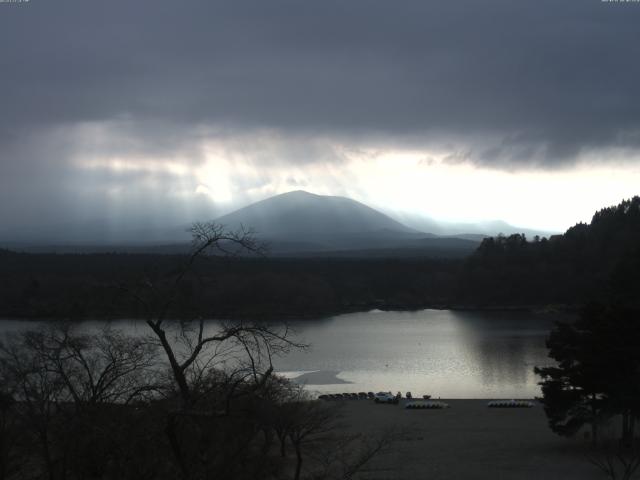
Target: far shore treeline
(589, 262)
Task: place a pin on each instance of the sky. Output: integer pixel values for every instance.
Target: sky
(119, 115)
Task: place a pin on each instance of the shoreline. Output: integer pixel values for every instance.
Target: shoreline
(541, 309)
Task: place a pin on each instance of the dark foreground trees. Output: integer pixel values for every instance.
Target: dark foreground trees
(65, 389)
(597, 376)
(82, 405)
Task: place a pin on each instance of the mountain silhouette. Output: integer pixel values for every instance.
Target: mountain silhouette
(301, 213)
(470, 230)
(300, 221)
(294, 223)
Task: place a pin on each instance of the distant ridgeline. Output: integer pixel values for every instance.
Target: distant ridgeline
(596, 261)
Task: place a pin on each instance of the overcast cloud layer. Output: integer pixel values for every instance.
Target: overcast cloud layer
(501, 84)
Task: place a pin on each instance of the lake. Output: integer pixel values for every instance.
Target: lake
(443, 353)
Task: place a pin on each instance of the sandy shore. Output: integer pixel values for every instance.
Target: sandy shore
(469, 441)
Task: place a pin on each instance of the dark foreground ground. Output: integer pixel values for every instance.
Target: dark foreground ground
(469, 441)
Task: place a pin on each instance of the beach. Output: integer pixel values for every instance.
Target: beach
(468, 441)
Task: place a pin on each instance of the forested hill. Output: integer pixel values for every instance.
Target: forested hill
(589, 261)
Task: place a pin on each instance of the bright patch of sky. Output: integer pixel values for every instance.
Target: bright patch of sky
(410, 181)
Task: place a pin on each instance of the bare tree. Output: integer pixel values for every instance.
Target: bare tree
(323, 449)
(190, 349)
(617, 459)
(219, 411)
(311, 419)
(39, 391)
(212, 365)
(56, 373)
(104, 367)
(9, 433)
(347, 456)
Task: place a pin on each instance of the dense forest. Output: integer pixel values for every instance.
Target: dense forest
(595, 261)
(590, 261)
(81, 286)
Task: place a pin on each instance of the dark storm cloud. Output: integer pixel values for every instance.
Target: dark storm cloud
(546, 78)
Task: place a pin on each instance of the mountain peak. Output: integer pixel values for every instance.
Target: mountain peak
(298, 193)
(324, 221)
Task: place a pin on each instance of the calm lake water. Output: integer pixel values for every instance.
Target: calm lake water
(442, 353)
(448, 354)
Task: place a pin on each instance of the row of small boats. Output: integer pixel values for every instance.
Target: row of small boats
(425, 403)
(365, 396)
(492, 404)
(430, 405)
(510, 404)
(348, 396)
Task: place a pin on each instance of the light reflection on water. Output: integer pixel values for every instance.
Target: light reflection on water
(448, 354)
(438, 352)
